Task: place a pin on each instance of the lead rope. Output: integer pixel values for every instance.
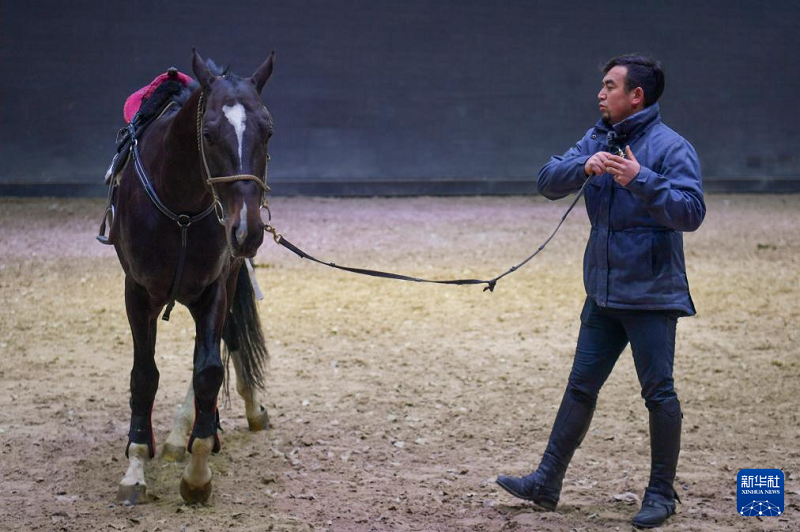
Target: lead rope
(490, 284)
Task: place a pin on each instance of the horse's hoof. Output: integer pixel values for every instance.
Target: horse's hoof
(132, 494)
(173, 453)
(259, 422)
(194, 495)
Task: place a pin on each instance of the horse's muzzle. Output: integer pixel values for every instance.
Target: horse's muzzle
(245, 239)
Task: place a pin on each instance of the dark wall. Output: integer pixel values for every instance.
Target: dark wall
(408, 96)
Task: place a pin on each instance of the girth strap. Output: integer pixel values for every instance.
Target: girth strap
(178, 273)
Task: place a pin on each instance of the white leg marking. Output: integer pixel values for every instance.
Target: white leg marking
(241, 232)
(197, 473)
(236, 116)
(184, 419)
(138, 455)
(257, 418)
(251, 406)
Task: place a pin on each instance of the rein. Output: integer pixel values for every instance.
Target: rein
(490, 283)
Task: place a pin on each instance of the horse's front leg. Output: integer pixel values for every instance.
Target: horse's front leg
(143, 317)
(209, 317)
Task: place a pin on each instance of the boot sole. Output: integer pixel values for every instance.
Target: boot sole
(639, 525)
(540, 503)
(651, 525)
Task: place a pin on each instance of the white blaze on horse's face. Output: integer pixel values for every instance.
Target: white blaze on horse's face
(236, 116)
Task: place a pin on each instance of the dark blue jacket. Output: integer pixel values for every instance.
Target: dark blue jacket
(634, 257)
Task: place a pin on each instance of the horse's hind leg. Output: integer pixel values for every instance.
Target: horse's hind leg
(245, 342)
(257, 417)
(142, 316)
(175, 446)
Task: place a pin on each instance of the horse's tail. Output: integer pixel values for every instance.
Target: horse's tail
(242, 333)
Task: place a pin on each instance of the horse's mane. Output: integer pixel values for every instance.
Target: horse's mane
(215, 68)
(175, 91)
(223, 72)
(170, 90)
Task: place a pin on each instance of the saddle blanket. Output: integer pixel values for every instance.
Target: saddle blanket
(134, 101)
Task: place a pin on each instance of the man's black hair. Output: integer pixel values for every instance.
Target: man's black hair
(643, 72)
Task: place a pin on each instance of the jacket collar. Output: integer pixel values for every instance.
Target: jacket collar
(634, 124)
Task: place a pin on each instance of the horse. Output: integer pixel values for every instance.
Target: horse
(208, 154)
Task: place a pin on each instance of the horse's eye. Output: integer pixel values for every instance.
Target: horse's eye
(209, 137)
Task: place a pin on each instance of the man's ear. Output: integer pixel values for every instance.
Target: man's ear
(637, 97)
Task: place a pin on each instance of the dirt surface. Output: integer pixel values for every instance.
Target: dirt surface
(396, 404)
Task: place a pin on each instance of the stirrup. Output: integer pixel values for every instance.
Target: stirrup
(109, 214)
(108, 221)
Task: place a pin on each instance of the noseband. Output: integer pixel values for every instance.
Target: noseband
(211, 181)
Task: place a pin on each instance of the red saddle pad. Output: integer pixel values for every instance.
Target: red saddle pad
(134, 101)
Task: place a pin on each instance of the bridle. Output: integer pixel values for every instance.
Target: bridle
(211, 181)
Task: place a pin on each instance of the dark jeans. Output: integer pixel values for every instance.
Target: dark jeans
(604, 334)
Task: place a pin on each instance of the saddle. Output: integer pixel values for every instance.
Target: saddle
(141, 109)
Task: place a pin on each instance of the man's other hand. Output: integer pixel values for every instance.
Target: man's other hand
(596, 164)
(623, 169)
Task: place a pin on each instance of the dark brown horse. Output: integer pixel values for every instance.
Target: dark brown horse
(206, 156)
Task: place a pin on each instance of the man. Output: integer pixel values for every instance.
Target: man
(644, 190)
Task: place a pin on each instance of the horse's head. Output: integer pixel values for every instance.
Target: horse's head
(234, 130)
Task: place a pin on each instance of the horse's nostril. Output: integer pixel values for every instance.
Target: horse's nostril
(240, 232)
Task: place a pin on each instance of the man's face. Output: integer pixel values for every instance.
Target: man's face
(615, 103)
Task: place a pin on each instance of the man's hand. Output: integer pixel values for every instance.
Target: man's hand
(624, 170)
(596, 164)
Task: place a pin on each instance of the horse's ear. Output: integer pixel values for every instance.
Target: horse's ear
(264, 72)
(204, 75)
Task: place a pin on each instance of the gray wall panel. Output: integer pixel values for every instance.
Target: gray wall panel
(405, 92)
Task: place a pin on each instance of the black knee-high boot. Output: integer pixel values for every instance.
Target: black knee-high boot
(543, 486)
(665, 446)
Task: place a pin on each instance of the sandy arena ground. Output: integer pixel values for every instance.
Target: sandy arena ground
(394, 405)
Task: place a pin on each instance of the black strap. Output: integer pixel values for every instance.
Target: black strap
(151, 193)
(205, 424)
(178, 273)
(183, 220)
(141, 432)
(374, 273)
(490, 283)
